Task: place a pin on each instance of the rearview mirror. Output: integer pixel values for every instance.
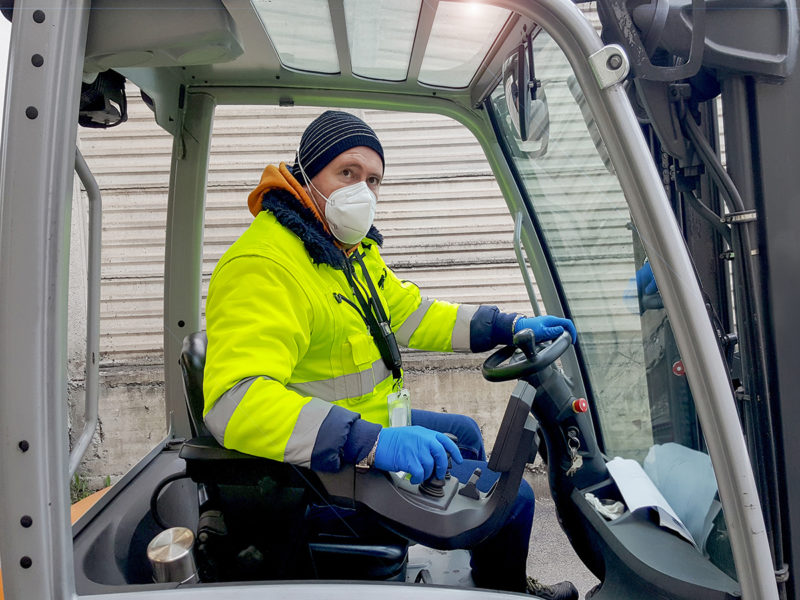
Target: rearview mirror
(526, 101)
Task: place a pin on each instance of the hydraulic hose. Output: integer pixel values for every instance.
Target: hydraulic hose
(710, 216)
(724, 181)
(750, 305)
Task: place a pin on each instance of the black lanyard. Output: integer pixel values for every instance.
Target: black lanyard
(375, 317)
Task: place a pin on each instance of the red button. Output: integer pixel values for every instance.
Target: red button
(677, 369)
(580, 405)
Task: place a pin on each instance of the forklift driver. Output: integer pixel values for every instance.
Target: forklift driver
(303, 323)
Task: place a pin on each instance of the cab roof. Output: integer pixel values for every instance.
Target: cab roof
(444, 48)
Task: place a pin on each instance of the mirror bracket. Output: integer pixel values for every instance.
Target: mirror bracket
(610, 65)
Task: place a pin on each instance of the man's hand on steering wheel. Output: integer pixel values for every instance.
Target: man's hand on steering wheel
(528, 356)
(546, 328)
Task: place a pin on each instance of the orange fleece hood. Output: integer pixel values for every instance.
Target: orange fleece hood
(280, 178)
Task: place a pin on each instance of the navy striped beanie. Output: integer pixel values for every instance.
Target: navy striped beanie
(327, 136)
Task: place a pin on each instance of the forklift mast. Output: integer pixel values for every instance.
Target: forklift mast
(692, 61)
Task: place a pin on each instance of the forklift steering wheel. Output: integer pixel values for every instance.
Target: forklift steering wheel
(525, 357)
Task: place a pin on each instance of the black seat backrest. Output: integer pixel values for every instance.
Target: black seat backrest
(193, 361)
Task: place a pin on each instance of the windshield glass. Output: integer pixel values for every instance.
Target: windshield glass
(595, 251)
(635, 375)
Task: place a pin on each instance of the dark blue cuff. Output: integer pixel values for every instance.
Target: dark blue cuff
(360, 440)
(344, 437)
(490, 327)
(331, 438)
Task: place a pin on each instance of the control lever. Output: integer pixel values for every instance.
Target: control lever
(433, 486)
(470, 490)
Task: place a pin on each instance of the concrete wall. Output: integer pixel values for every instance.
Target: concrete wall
(131, 421)
(132, 407)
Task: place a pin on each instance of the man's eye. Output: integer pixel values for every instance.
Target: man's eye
(346, 172)
(374, 181)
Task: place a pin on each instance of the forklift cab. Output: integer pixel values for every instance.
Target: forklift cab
(550, 104)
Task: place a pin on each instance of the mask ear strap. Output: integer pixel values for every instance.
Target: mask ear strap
(308, 180)
(320, 214)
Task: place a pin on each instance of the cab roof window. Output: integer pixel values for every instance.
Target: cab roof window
(462, 34)
(380, 37)
(301, 32)
(380, 34)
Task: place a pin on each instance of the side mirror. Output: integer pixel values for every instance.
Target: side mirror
(526, 101)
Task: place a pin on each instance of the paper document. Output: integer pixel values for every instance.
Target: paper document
(686, 479)
(639, 492)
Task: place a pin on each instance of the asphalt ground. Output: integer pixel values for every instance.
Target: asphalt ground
(550, 560)
(551, 557)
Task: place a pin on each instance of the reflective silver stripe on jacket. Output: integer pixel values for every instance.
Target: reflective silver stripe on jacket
(342, 387)
(351, 385)
(219, 416)
(461, 328)
(411, 323)
(301, 443)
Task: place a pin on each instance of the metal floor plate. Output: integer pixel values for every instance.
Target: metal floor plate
(446, 567)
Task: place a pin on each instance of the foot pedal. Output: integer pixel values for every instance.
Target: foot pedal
(424, 576)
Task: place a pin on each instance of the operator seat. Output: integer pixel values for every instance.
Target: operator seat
(381, 558)
(193, 362)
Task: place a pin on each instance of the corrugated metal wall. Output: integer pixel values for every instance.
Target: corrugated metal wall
(131, 164)
(445, 222)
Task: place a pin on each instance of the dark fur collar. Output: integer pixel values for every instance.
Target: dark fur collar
(301, 221)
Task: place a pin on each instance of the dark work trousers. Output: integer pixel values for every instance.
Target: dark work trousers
(498, 562)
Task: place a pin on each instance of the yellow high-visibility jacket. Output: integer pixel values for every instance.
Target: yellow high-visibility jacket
(291, 364)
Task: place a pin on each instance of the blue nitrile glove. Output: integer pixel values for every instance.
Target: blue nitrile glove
(646, 295)
(415, 450)
(645, 282)
(546, 328)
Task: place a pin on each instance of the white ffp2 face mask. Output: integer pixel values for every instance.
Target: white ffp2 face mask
(350, 212)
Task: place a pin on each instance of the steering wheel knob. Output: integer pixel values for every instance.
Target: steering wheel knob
(503, 365)
(525, 340)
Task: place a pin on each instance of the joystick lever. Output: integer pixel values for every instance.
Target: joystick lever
(433, 486)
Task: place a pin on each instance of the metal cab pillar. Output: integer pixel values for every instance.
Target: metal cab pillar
(40, 122)
(183, 265)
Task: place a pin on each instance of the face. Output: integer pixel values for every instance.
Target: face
(350, 167)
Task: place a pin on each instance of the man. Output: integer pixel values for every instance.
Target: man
(303, 320)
